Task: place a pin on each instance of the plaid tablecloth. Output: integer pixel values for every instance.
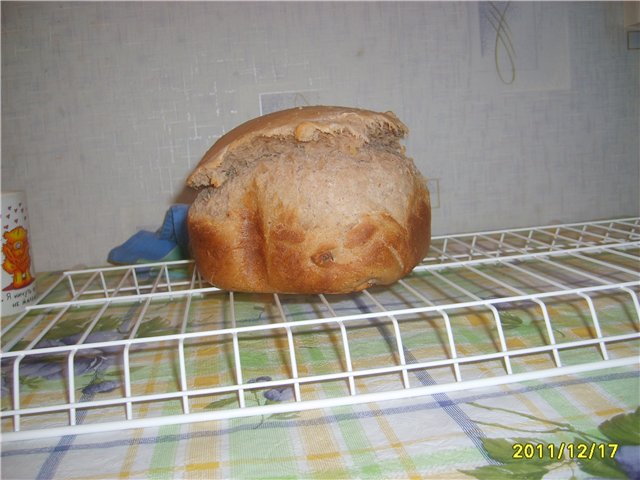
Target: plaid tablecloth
(416, 438)
(468, 434)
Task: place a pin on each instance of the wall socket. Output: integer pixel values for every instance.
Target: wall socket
(433, 184)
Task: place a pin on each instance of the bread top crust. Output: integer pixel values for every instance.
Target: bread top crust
(301, 124)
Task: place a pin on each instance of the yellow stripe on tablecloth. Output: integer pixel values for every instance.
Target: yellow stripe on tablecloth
(200, 467)
(200, 452)
(321, 448)
(132, 452)
(394, 442)
(323, 456)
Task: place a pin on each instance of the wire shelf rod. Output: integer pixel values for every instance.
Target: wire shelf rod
(633, 225)
(494, 310)
(630, 256)
(124, 299)
(324, 377)
(578, 241)
(529, 232)
(398, 337)
(166, 276)
(72, 287)
(104, 284)
(628, 234)
(610, 229)
(573, 270)
(471, 249)
(571, 241)
(472, 246)
(634, 296)
(587, 298)
(548, 247)
(605, 264)
(173, 294)
(127, 267)
(521, 256)
(447, 324)
(580, 272)
(315, 404)
(136, 283)
(540, 303)
(125, 354)
(527, 229)
(181, 360)
(345, 345)
(324, 321)
(140, 288)
(292, 351)
(35, 341)
(236, 350)
(71, 357)
(48, 327)
(39, 299)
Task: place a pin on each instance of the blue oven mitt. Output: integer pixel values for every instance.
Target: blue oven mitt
(169, 242)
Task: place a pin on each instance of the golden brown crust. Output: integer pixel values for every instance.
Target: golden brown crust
(315, 211)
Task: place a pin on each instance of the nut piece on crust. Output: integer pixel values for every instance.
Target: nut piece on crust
(309, 200)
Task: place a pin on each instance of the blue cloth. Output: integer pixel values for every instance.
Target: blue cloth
(174, 228)
(169, 242)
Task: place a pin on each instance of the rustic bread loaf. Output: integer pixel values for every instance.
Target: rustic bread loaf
(309, 200)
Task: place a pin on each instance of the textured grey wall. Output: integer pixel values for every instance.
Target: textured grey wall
(106, 107)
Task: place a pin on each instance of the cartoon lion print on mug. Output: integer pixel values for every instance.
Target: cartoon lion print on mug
(17, 259)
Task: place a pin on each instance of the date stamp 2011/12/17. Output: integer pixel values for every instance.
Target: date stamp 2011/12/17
(551, 451)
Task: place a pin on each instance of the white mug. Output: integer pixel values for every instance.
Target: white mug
(18, 280)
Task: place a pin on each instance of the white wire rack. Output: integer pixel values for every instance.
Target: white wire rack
(151, 345)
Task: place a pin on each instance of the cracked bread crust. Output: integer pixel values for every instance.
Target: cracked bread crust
(302, 124)
(315, 200)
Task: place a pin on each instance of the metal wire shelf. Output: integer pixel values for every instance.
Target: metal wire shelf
(409, 339)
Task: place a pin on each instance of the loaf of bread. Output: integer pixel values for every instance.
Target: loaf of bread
(309, 200)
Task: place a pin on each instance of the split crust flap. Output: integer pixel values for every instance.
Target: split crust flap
(300, 124)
